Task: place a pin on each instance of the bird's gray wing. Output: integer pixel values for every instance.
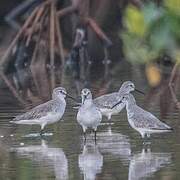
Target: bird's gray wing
(144, 119)
(107, 101)
(36, 112)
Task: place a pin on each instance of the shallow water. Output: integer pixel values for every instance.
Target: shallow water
(120, 152)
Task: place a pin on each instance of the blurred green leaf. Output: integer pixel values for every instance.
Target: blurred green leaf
(173, 6)
(173, 22)
(151, 13)
(152, 31)
(161, 38)
(136, 51)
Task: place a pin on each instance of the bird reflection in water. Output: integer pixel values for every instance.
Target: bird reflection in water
(90, 161)
(146, 163)
(115, 144)
(53, 157)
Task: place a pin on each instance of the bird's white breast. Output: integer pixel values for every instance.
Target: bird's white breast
(115, 110)
(89, 116)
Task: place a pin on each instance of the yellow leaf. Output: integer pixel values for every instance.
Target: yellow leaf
(153, 74)
(134, 20)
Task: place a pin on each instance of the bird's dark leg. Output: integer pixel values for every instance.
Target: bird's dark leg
(146, 139)
(42, 129)
(95, 136)
(84, 133)
(41, 132)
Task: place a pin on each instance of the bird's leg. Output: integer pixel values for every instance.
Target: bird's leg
(145, 137)
(109, 130)
(42, 129)
(95, 136)
(41, 132)
(109, 118)
(95, 130)
(84, 133)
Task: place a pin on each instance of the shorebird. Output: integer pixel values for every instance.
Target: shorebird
(105, 102)
(139, 119)
(46, 113)
(88, 116)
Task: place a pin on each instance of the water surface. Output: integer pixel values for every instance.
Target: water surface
(120, 152)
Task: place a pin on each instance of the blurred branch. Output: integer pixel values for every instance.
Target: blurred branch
(60, 45)
(12, 89)
(52, 43)
(171, 84)
(10, 17)
(4, 61)
(101, 35)
(136, 3)
(66, 11)
(82, 9)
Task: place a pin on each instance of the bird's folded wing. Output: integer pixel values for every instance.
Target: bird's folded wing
(145, 119)
(36, 112)
(107, 101)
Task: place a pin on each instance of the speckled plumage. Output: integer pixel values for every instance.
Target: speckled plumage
(143, 121)
(105, 102)
(46, 113)
(40, 111)
(88, 116)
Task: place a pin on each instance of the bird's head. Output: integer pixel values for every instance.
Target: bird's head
(61, 93)
(86, 95)
(128, 86)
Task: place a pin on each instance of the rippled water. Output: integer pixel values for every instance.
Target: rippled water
(120, 152)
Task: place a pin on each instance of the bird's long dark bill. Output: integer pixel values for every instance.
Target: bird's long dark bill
(71, 98)
(139, 91)
(83, 99)
(116, 104)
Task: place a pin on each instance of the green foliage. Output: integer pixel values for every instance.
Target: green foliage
(136, 50)
(151, 31)
(134, 20)
(173, 6)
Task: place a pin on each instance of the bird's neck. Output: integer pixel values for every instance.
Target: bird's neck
(123, 91)
(59, 99)
(130, 106)
(130, 110)
(88, 102)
